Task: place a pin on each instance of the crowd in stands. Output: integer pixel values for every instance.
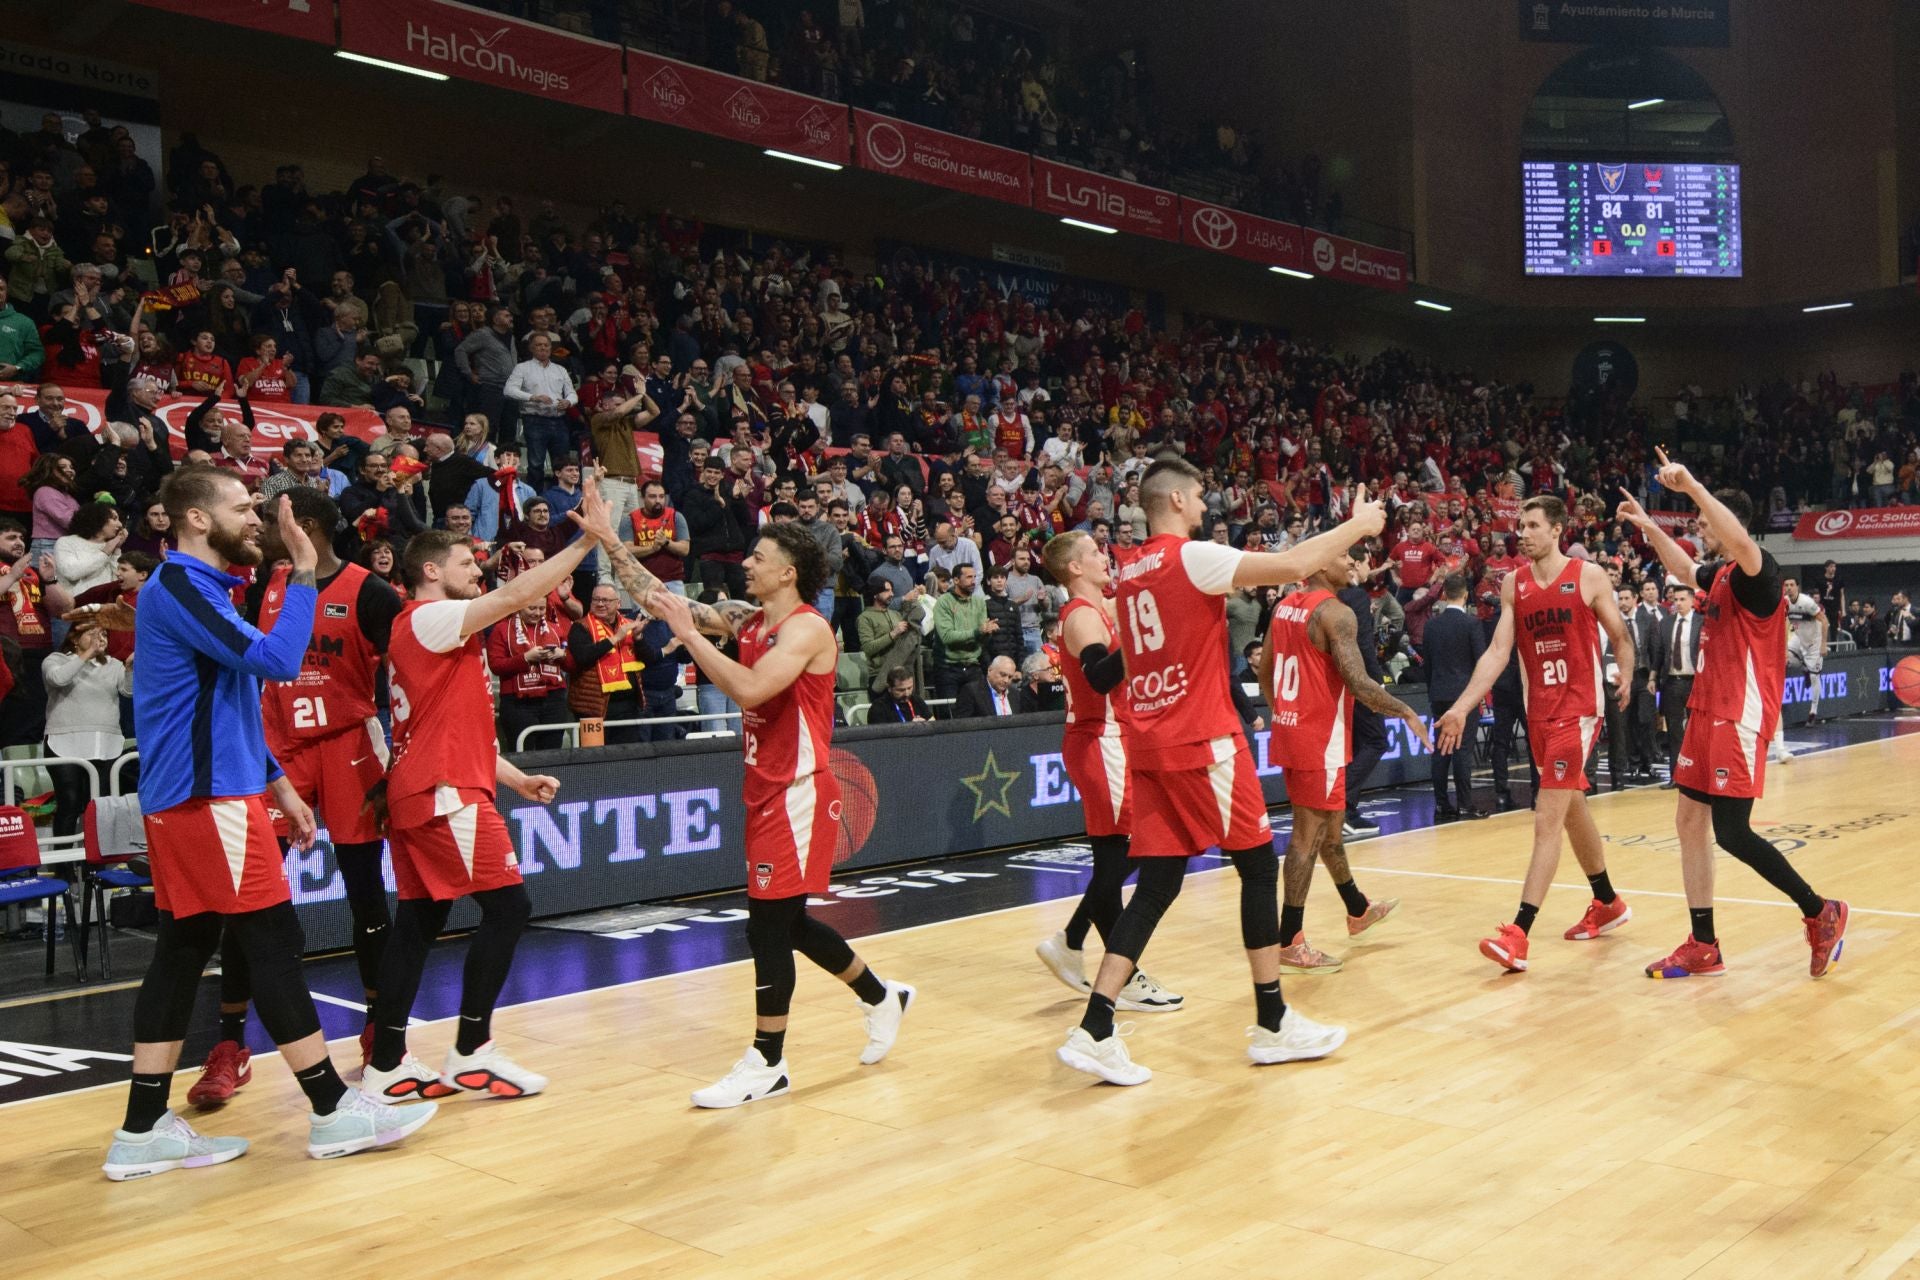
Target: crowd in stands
(931, 436)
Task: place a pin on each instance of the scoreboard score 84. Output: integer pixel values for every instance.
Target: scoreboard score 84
(1631, 218)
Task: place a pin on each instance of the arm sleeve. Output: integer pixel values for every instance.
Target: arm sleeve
(1210, 566)
(378, 606)
(1703, 576)
(1105, 668)
(208, 624)
(438, 623)
(1758, 593)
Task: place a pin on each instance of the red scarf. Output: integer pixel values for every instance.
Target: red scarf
(505, 483)
(540, 678)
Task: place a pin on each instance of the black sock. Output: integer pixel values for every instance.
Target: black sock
(1268, 1006)
(1701, 919)
(147, 1100)
(869, 987)
(771, 1044)
(233, 1026)
(1077, 926)
(1524, 916)
(1602, 887)
(1350, 894)
(473, 1033)
(1098, 1019)
(322, 1086)
(1292, 919)
(389, 1046)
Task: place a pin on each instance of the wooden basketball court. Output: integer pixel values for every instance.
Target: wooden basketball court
(1577, 1120)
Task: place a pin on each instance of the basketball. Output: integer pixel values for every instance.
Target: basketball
(859, 803)
(1906, 681)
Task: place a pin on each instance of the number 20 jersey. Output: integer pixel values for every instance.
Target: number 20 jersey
(1558, 639)
(1173, 622)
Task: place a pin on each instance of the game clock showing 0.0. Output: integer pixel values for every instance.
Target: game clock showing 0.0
(1630, 218)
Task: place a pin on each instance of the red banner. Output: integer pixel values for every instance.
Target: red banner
(1224, 230)
(488, 48)
(1339, 258)
(886, 145)
(301, 19)
(709, 102)
(273, 424)
(1874, 522)
(1094, 197)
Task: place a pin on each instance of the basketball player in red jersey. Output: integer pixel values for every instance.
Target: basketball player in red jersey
(447, 839)
(1094, 752)
(1734, 713)
(1553, 611)
(784, 685)
(322, 729)
(1194, 780)
(1310, 673)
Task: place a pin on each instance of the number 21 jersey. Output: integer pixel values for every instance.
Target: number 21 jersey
(1173, 622)
(1558, 638)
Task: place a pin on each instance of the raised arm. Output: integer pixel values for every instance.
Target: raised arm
(1674, 560)
(535, 583)
(1335, 630)
(1737, 544)
(1276, 568)
(1452, 724)
(640, 585)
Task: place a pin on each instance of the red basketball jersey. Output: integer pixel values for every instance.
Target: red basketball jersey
(443, 732)
(1558, 639)
(786, 737)
(1089, 711)
(334, 690)
(1312, 706)
(1743, 660)
(1173, 623)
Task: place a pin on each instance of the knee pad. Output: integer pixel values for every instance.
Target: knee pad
(1258, 867)
(822, 944)
(1259, 896)
(508, 906)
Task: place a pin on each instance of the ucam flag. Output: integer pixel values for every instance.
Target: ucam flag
(486, 47)
(1224, 230)
(1111, 202)
(301, 19)
(1339, 258)
(726, 106)
(885, 145)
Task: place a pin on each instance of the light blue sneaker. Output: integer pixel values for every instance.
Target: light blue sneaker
(170, 1144)
(360, 1124)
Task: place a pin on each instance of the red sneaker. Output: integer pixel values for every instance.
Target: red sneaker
(1827, 934)
(366, 1046)
(228, 1067)
(1377, 910)
(1601, 917)
(1507, 948)
(1690, 960)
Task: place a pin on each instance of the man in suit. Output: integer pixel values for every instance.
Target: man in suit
(1677, 660)
(1619, 767)
(1644, 624)
(1453, 644)
(900, 704)
(993, 696)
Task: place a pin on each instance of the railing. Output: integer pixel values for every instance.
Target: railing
(71, 848)
(571, 728)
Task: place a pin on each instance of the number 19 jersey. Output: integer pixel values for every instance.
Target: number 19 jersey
(1558, 639)
(1173, 622)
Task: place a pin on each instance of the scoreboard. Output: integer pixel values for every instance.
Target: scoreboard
(1639, 218)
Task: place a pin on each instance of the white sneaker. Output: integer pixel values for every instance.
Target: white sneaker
(411, 1081)
(1064, 962)
(359, 1124)
(172, 1143)
(750, 1080)
(883, 1021)
(1299, 1039)
(487, 1070)
(1143, 995)
(1107, 1058)
(1777, 752)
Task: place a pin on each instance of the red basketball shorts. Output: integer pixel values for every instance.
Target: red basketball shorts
(216, 854)
(1719, 758)
(1179, 812)
(791, 834)
(1317, 788)
(1097, 767)
(1560, 750)
(449, 842)
(333, 775)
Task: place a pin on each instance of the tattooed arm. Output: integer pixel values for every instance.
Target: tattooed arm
(722, 619)
(1334, 630)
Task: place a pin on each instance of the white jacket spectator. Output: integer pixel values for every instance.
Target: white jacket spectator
(83, 705)
(543, 387)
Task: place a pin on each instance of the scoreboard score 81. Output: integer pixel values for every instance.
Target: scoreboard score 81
(1631, 218)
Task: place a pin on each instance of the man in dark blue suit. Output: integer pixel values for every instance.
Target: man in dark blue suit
(1453, 644)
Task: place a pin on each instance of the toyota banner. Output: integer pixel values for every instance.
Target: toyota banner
(1224, 230)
